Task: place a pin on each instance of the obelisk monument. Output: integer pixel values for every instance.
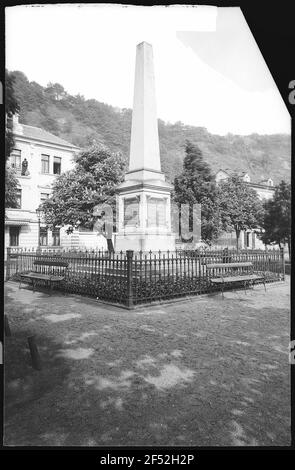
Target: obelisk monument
(143, 199)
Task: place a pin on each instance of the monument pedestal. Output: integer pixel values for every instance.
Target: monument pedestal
(144, 242)
(144, 209)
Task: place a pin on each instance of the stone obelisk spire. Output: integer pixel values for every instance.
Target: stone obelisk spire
(144, 148)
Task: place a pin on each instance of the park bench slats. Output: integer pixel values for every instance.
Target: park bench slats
(42, 276)
(235, 278)
(229, 265)
(230, 273)
(50, 277)
(51, 263)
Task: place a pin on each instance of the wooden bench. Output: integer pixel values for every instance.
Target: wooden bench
(55, 273)
(230, 273)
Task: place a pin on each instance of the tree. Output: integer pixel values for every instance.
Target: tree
(196, 185)
(11, 108)
(239, 206)
(277, 217)
(78, 191)
(28, 95)
(11, 185)
(56, 91)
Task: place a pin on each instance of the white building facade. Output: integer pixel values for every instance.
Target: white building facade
(38, 157)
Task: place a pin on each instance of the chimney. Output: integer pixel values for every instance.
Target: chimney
(15, 118)
(17, 127)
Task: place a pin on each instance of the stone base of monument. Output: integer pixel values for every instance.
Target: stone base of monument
(145, 242)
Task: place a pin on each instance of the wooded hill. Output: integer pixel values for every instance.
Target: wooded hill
(82, 121)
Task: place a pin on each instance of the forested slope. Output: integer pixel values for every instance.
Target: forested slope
(81, 121)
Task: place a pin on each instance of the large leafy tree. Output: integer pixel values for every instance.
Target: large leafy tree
(11, 108)
(239, 206)
(277, 217)
(76, 192)
(196, 185)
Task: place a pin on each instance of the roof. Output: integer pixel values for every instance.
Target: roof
(36, 133)
(17, 217)
(223, 171)
(230, 172)
(263, 186)
(261, 183)
(17, 222)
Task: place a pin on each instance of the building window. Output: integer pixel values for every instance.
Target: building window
(253, 240)
(43, 238)
(43, 197)
(56, 237)
(248, 239)
(15, 160)
(44, 163)
(82, 228)
(56, 165)
(9, 122)
(18, 195)
(13, 236)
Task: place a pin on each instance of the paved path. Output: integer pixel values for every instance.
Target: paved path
(202, 372)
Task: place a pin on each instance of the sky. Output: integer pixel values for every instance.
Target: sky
(209, 71)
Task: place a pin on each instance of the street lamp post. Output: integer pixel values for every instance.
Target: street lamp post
(38, 212)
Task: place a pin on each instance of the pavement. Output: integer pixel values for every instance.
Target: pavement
(205, 371)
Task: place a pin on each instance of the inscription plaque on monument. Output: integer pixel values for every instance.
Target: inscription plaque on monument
(131, 212)
(156, 212)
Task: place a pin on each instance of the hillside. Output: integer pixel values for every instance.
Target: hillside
(81, 121)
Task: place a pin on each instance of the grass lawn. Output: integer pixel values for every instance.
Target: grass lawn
(202, 372)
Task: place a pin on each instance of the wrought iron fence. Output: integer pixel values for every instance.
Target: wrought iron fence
(130, 278)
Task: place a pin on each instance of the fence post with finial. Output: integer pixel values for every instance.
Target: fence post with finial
(129, 255)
